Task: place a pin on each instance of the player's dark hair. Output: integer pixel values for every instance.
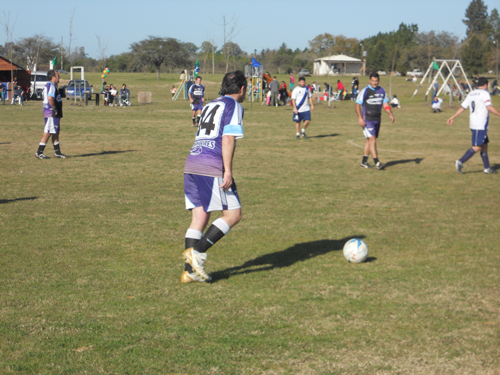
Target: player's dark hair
(233, 82)
(302, 79)
(481, 81)
(374, 75)
(51, 74)
(199, 77)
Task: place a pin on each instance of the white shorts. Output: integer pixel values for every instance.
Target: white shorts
(204, 191)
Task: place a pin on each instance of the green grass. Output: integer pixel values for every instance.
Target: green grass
(90, 246)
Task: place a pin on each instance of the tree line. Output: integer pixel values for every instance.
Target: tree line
(400, 50)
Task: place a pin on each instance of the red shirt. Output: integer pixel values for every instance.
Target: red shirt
(340, 86)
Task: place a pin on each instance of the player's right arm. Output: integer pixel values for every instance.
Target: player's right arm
(189, 94)
(457, 113)
(228, 146)
(361, 120)
(493, 110)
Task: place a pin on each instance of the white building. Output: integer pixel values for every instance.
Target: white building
(337, 65)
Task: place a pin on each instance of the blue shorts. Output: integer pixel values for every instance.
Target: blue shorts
(196, 107)
(479, 137)
(371, 129)
(52, 125)
(302, 116)
(204, 191)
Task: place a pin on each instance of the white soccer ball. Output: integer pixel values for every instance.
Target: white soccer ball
(355, 251)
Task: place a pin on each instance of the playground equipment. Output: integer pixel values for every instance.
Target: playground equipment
(183, 86)
(452, 66)
(254, 73)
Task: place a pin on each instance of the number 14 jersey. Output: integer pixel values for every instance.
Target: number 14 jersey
(222, 116)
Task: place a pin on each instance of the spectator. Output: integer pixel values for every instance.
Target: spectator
(292, 81)
(395, 102)
(283, 92)
(173, 91)
(435, 88)
(113, 93)
(436, 104)
(340, 89)
(275, 87)
(124, 96)
(18, 93)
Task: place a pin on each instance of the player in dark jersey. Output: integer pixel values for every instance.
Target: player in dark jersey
(208, 175)
(369, 105)
(196, 94)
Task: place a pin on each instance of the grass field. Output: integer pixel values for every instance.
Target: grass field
(90, 246)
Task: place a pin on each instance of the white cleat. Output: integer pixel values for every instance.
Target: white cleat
(196, 260)
(191, 278)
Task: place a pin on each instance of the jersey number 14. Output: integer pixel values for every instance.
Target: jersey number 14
(210, 120)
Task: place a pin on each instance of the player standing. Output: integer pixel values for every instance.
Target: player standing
(302, 106)
(479, 103)
(196, 93)
(369, 105)
(52, 112)
(208, 175)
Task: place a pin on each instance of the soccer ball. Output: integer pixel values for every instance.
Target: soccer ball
(355, 251)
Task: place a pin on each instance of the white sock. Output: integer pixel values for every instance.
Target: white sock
(193, 233)
(222, 225)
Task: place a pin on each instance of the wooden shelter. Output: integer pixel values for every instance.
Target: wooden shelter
(23, 76)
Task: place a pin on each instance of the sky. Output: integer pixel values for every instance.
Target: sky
(258, 24)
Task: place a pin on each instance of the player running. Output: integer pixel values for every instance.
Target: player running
(369, 105)
(302, 106)
(479, 103)
(196, 93)
(208, 175)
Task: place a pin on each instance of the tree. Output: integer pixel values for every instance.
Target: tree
(476, 18)
(35, 50)
(229, 33)
(474, 55)
(155, 51)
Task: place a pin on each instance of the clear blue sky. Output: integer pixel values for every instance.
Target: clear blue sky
(261, 24)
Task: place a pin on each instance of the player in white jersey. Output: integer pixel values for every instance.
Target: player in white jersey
(52, 113)
(302, 106)
(479, 103)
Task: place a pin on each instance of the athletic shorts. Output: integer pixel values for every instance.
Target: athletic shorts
(204, 191)
(302, 116)
(479, 137)
(291, 86)
(196, 107)
(371, 129)
(52, 125)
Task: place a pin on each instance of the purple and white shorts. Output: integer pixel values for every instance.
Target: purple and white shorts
(52, 125)
(204, 191)
(196, 107)
(371, 129)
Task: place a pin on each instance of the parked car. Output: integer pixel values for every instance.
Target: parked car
(304, 73)
(415, 73)
(78, 88)
(38, 82)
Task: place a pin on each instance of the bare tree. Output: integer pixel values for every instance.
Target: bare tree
(229, 33)
(102, 45)
(9, 32)
(71, 38)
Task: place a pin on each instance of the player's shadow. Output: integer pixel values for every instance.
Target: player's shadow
(2, 201)
(5, 143)
(102, 153)
(396, 162)
(297, 253)
(324, 135)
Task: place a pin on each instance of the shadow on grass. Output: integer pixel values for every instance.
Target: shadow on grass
(496, 167)
(102, 153)
(285, 258)
(2, 201)
(396, 162)
(5, 143)
(324, 135)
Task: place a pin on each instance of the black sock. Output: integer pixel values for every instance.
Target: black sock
(375, 160)
(365, 159)
(193, 119)
(41, 147)
(198, 119)
(212, 235)
(189, 242)
(57, 149)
